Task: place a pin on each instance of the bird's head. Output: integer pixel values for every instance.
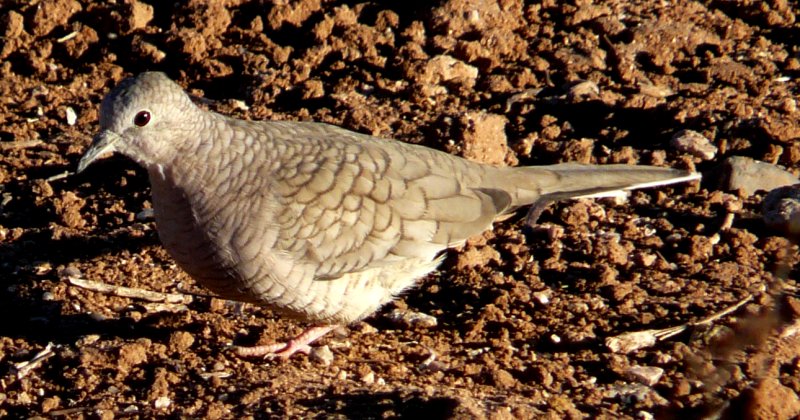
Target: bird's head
(146, 118)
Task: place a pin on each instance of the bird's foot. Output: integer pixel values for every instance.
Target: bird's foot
(299, 344)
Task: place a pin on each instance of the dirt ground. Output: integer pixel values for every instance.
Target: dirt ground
(523, 316)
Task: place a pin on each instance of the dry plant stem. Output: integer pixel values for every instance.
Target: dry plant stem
(24, 368)
(631, 341)
(16, 145)
(129, 292)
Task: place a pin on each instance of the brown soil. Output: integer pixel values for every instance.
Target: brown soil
(523, 315)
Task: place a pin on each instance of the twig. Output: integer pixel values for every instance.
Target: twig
(67, 37)
(24, 144)
(129, 292)
(157, 307)
(62, 175)
(713, 317)
(68, 411)
(24, 368)
(632, 341)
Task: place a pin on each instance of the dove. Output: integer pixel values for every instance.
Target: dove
(315, 222)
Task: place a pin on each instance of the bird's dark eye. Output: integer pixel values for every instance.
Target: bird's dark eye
(142, 118)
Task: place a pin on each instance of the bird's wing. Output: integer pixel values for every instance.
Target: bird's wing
(351, 202)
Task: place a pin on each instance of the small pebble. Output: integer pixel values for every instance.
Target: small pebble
(368, 378)
(644, 415)
(782, 209)
(240, 104)
(643, 259)
(647, 375)
(145, 215)
(322, 355)
(542, 297)
(628, 342)
(162, 402)
(693, 143)
(70, 271)
(405, 318)
(72, 117)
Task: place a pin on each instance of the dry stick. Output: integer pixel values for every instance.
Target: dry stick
(68, 411)
(62, 175)
(23, 144)
(130, 292)
(22, 369)
(632, 341)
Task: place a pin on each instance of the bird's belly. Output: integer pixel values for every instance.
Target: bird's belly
(258, 275)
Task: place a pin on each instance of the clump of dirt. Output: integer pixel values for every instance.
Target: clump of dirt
(522, 315)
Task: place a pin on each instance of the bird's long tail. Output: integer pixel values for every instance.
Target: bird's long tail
(539, 186)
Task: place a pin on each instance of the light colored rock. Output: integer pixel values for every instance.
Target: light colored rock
(782, 209)
(693, 143)
(749, 175)
(647, 375)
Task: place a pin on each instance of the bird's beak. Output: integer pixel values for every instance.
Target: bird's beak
(103, 143)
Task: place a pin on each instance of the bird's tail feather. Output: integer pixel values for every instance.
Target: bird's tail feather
(592, 181)
(538, 186)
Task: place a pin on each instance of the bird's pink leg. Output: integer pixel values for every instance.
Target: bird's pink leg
(284, 351)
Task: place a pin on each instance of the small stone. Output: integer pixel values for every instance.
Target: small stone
(180, 341)
(368, 378)
(145, 215)
(782, 209)
(542, 296)
(322, 355)
(749, 175)
(631, 393)
(629, 342)
(647, 375)
(444, 68)
(643, 259)
(139, 14)
(240, 104)
(644, 415)
(71, 116)
(410, 319)
(655, 91)
(693, 143)
(70, 271)
(663, 358)
(162, 402)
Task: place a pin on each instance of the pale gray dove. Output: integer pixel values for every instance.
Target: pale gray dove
(319, 223)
